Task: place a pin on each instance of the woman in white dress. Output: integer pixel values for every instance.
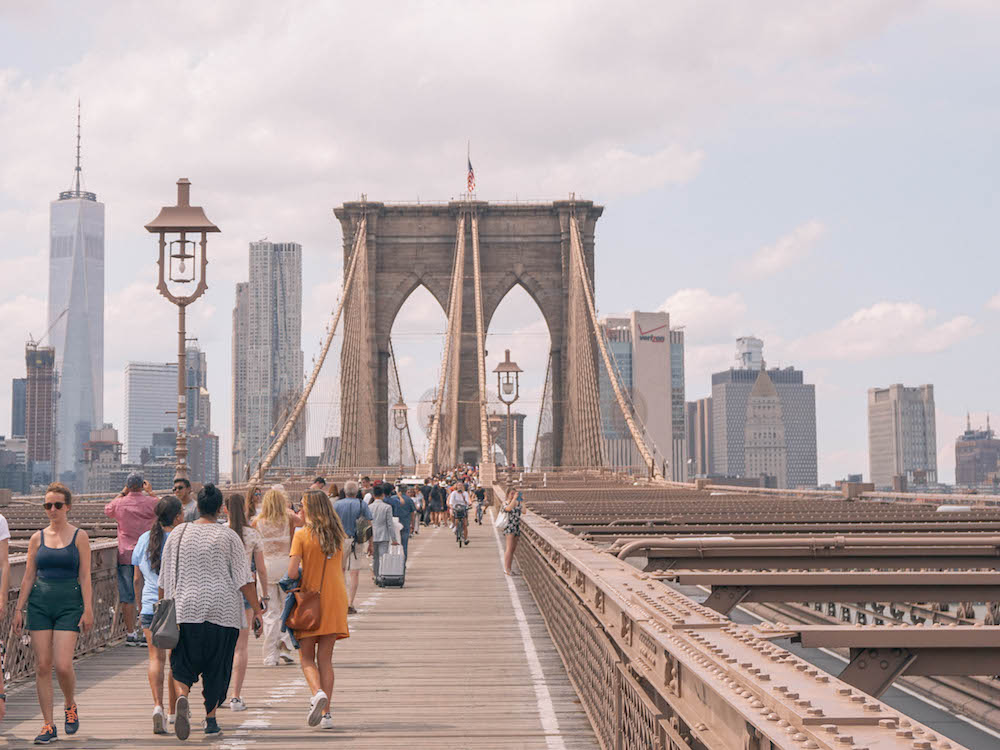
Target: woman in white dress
(276, 524)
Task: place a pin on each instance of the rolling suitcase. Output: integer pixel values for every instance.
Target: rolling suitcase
(392, 568)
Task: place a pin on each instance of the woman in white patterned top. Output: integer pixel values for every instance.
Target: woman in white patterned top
(276, 525)
(236, 510)
(204, 569)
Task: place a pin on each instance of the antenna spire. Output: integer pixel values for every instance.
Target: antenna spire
(76, 185)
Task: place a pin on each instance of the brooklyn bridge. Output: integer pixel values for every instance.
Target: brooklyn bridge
(645, 613)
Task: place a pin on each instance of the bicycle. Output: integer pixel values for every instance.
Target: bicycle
(460, 514)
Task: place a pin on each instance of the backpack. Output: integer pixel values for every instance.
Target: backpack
(363, 527)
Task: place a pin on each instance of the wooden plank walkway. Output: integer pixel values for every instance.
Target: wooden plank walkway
(444, 662)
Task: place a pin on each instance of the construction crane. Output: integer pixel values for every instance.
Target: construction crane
(31, 339)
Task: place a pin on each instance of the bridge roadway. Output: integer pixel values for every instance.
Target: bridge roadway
(458, 658)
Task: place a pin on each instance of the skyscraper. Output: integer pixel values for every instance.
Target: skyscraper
(650, 362)
(76, 315)
(241, 340)
(730, 399)
(39, 410)
(17, 404)
(699, 430)
(150, 405)
(977, 456)
(764, 449)
(902, 434)
(272, 352)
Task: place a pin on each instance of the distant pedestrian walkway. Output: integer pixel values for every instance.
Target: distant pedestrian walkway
(458, 658)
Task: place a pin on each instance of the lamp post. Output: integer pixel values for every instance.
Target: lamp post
(399, 410)
(509, 390)
(185, 263)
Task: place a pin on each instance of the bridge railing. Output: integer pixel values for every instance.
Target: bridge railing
(654, 669)
(18, 658)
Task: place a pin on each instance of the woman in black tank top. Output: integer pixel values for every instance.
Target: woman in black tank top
(57, 591)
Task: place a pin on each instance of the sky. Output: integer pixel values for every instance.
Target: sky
(819, 174)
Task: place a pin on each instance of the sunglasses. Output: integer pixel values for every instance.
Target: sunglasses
(50, 506)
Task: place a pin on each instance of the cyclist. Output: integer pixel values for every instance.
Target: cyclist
(458, 502)
(480, 504)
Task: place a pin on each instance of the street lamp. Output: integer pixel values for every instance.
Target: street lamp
(399, 410)
(185, 263)
(509, 390)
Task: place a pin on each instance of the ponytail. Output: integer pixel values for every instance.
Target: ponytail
(167, 511)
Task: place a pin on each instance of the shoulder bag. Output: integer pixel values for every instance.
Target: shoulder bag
(307, 611)
(165, 630)
(501, 521)
(363, 527)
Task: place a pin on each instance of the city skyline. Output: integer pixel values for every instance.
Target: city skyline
(802, 192)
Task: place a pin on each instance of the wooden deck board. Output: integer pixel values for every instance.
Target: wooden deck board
(438, 664)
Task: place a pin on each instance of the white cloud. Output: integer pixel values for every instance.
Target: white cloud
(993, 303)
(885, 329)
(787, 251)
(707, 316)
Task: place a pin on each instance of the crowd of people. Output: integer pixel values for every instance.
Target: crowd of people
(226, 566)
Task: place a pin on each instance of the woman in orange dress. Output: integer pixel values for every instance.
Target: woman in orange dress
(317, 550)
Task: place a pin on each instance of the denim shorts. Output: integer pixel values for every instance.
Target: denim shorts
(55, 604)
(126, 583)
(146, 621)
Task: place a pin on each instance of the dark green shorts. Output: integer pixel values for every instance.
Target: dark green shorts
(55, 604)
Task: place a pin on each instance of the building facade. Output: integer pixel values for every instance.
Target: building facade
(102, 459)
(649, 358)
(764, 449)
(40, 411)
(730, 399)
(150, 405)
(699, 430)
(17, 404)
(977, 456)
(902, 435)
(76, 319)
(267, 342)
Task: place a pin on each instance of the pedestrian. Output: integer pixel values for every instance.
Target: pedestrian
(57, 591)
(4, 588)
(383, 529)
(319, 483)
(425, 492)
(204, 569)
(512, 529)
(316, 552)
(404, 510)
(333, 491)
(134, 510)
(146, 558)
(236, 511)
(276, 525)
(366, 489)
(350, 510)
(418, 504)
(182, 490)
(437, 496)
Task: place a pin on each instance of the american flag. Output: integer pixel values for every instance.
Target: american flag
(472, 177)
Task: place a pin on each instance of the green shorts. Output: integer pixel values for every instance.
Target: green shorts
(55, 604)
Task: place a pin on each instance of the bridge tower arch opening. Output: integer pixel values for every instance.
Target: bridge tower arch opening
(408, 245)
(518, 324)
(416, 335)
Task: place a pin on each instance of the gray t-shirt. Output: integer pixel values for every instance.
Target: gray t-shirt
(191, 511)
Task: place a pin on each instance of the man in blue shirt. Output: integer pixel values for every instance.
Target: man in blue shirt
(403, 509)
(350, 508)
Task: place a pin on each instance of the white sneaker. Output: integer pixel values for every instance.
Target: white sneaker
(159, 721)
(270, 662)
(237, 704)
(326, 722)
(317, 707)
(171, 718)
(286, 659)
